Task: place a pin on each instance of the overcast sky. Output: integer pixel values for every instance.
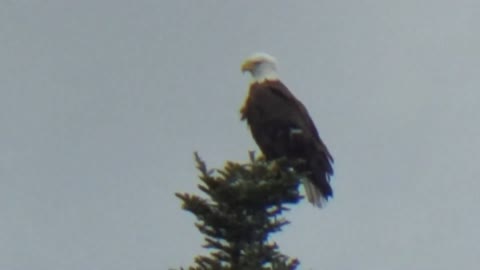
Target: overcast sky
(102, 104)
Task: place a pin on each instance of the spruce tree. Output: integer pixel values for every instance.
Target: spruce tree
(244, 205)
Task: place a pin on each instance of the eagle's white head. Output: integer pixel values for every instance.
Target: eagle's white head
(261, 66)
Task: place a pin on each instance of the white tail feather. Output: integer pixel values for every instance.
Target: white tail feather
(314, 195)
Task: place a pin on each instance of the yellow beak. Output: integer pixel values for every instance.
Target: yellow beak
(248, 66)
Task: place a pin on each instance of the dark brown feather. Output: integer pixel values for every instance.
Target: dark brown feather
(281, 127)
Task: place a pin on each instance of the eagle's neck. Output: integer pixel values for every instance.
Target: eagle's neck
(264, 71)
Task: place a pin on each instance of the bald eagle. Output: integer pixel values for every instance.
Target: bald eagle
(281, 127)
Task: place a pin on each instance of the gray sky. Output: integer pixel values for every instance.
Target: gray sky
(103, 102)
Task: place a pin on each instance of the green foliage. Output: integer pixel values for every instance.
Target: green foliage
(245, 203)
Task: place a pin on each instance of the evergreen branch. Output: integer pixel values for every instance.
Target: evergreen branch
(244, 206)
